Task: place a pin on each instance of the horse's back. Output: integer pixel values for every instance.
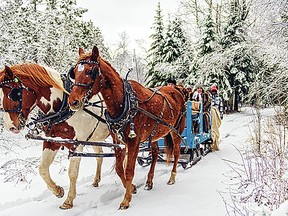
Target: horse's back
(172, 94)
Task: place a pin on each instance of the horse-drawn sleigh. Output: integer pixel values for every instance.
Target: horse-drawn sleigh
(138, 118)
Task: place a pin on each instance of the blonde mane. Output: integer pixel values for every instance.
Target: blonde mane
(38, 75)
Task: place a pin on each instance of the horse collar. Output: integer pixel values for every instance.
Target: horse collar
(60, 116)
(117, 125)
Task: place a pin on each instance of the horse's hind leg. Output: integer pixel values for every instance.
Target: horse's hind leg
(154, 151)
(48, 156)
(176, 153)
(97, 178)
(73, 175)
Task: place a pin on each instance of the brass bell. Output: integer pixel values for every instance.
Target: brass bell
(132, 134)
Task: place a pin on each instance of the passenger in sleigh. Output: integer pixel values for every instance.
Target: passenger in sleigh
(197, 96)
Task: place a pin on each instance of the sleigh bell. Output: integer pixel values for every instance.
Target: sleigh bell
(132, 134)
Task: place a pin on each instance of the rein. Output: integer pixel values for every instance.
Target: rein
(63, 113)
(118, 124)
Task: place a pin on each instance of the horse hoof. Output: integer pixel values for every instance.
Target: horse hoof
(134, 190)
(61, 194)
(148, 186)
(66, 206)
(123, 207)
(170, 182)
(95, 184)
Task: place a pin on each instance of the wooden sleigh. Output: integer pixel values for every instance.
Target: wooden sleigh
(197, 144)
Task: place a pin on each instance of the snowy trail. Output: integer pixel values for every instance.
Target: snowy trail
(196, 192)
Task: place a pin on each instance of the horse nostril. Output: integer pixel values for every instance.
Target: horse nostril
(14, 130)
(76, 103)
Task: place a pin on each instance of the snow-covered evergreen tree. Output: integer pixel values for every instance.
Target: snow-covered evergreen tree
(240, 63)
(175, 59)
(208, 40)
(45, 31)
(155, 53)
(171, 48)
(183, 62)
(234, 30)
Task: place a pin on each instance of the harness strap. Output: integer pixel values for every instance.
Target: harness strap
(157, 91)
(94, 115)
(162, 122)
(73, 142)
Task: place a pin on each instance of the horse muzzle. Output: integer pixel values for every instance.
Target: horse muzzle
(76, 105)
(14, 130)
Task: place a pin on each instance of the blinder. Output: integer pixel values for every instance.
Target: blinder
(15, 94)
(95, 73)
(95, 70)
(71, 73)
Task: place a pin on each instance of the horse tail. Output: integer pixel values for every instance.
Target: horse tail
(169, 147)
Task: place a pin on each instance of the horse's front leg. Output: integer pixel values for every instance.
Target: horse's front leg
(133, 148)
(120, 156)
(176, 151)
(97, 178)
(48, 156)
(73, 175)
(154, 152)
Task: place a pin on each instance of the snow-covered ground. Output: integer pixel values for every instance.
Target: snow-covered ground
(196, 192)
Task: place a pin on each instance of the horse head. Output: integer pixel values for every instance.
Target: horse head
(88, 78)
(17, 99)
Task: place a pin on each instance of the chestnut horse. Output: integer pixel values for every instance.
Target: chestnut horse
(134, 114)
(25, 86)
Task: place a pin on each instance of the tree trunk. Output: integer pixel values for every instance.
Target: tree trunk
(236, 100)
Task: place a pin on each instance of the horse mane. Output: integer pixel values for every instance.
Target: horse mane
(38, 75)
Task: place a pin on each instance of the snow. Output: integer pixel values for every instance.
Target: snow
(197, 190)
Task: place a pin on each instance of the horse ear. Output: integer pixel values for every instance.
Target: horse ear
(95, 54)
(80, 51)
(8, 72)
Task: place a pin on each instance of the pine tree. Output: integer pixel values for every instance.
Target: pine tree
(171, 50)
(47, 32)
(183, 51)
(240, 61)
(206, 72)
(12, 30)
(208, 40)
(234, 32)
(155, 53)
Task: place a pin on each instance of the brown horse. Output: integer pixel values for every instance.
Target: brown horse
(25, 86)
(134, 114)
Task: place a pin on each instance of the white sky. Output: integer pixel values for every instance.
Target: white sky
(135, 17)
